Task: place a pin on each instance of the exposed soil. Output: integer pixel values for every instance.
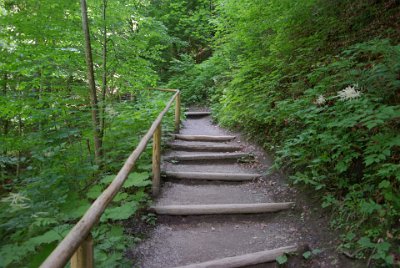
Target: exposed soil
(182, 240)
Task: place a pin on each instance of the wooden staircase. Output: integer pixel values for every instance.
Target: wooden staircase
(217, 149)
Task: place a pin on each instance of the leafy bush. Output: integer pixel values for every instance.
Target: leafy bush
(47, 203)
(197, 81)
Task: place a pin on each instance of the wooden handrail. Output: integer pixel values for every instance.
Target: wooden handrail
(79, 233)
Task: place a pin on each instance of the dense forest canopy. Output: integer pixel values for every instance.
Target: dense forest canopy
(317, 82)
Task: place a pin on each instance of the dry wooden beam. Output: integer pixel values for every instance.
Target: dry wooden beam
(196, 114)
(211, 156)
(212, 176)
(156, 160)
(83, 256)
(203, 137)
(163, 89)
(205, 147)
(245, 260)
(221, 208)
(177, 113)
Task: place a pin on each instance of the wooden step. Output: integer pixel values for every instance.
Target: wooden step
(205, 147)
(204, 157)
(212, 176)
(220, 208)
(246, 259)
(197, 114)
(203, 137)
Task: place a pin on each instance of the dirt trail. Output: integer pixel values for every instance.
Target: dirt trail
(183, 240)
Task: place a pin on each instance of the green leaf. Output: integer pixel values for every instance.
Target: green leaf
(383, 246)
(116, 230)
(316, 251)
(282, 259)
(384, 184)
(137, 180)
(107, 179)
(307, 255)
(120, 197)
(46, 238)
(365, 242)
(369, 206)
(119, 213)
(94, 192)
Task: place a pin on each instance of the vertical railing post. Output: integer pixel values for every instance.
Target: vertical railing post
(83, 256)
(156, 160)
(177, 112)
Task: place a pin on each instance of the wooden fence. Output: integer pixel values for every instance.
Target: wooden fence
(78, 244)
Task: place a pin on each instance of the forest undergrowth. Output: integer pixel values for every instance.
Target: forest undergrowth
(50, 171)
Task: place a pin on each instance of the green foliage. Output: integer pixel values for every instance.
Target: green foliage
(189, 24)
(44, 223)
(195, 80)
(309, 254)
(150, 218)
(48, 177)
(137, 180)
(282, 259)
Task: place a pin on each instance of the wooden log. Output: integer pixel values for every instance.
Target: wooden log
(203, 137)
(245, 260)
(164, 89)
(156, 160)
(205, 147)
(220, 208)
(63, 252)
(212, 176)
(83, 256)
(199, 157)
(197, 114)
(177, 113)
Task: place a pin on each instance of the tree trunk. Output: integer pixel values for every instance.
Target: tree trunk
(19, 157)
(92, 85)
(5, 120)
(104, 67)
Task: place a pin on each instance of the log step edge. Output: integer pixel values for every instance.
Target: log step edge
(185, 210)
(215, 156)
(203, 137)
(193, 114)
(203, 147)
(246, 259)
(212, 176)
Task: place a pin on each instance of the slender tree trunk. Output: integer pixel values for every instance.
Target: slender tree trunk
(40, 96)
(92, 85)
(5, 120)
(18, 172)
(104, 67)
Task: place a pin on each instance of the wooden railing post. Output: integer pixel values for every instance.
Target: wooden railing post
(83, 257)
(177, 112)
(156, 160)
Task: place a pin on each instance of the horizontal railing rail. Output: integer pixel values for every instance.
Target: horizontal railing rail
(78, 243)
